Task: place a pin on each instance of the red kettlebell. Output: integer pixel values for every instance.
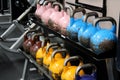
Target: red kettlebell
(28, 42)
(37, 45)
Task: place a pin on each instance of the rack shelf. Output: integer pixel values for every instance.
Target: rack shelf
(84, 51)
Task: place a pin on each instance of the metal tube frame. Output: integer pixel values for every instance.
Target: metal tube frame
(12, 27)
(13, 48)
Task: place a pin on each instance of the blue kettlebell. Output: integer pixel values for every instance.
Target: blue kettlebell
(85, 23)
(73, 29)
(84, 39)
(104, 39)
(90, 72)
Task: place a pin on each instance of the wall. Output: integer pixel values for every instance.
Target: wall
(113, 9)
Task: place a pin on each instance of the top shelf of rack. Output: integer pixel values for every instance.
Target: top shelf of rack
(78, 46)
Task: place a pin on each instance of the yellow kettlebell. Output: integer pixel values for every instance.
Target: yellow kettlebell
(49, 51)
(57, 63)
(68, 72)
(42, 51)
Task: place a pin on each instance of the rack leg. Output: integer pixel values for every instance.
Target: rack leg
(109, 65)
(24, 69)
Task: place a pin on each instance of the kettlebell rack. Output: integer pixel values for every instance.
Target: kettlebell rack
(87, 54)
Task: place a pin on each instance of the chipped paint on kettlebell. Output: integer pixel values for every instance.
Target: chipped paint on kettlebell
(85, 37)
(102, 41)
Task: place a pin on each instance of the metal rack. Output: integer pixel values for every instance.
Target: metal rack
(118, 49)
(87, 54)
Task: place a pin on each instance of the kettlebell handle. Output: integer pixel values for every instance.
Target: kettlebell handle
(40, 2)
(79, 9)
(30, 31)
(101, 19)
(36, 35)
(84, 66)
(51, 45)
(46, 2)
(70, 8)
(47, 40)
(59, 4)
(26, 37)
(87, 15)
(59, 51)
(72, 59)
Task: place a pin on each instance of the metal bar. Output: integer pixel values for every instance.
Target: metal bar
(26, 11)
(20, 26)
(13, 48)
(8, 31)
(104, 10)
(86, 6)
(24, 69)
(11, 39)
(12, 27)
(118, 48)
(10, 6)
(20, 40)
(2, 10)
(109, 65)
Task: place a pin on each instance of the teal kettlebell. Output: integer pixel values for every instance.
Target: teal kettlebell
(73, 29)
(84, 39)
(90, 72)
(104, 39)
(86, 24)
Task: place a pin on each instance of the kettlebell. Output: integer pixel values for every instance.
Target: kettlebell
(104, 39)
(68, 72)
(56, 66)
(85, 24)
(72, 29)
(49, 51)
(56, 6)
(69, 10)
(90, 72)
(37, 44)
(28, 41)
(90, 31)
(42, 51)
(54, 17)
